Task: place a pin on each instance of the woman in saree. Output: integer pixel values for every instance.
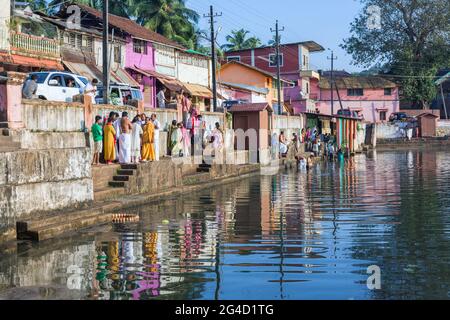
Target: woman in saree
(177, 141)
(109, 136)
(148, 150)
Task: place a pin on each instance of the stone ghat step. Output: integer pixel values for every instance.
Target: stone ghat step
(124, 172)
(118, 184)
(108, 193)
(121, 178)
(129, 166)
(196, 178)
(52, 231)
(24, 226)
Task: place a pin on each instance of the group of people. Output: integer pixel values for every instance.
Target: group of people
(319, 144)
(126, 141)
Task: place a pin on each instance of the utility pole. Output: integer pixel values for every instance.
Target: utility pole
(333, 58)
(278, 57)
(105, 52)
(211, 17)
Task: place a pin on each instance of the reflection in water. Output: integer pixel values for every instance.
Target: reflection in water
(294, 235)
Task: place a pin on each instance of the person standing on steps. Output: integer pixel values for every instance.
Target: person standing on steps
(109, 134)
(157, 127)
(136, 135)
(97, 134)
(125, 139)
(148, 149)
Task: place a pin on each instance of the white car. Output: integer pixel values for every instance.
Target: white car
(59, 86)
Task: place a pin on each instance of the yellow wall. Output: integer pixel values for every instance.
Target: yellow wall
(239, 74)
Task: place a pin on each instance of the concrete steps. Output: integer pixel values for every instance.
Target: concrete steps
(55, 225)
(204, 168)
(124, 176)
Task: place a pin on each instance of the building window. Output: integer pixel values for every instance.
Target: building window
(117, 54)
(355, 92)
(388, 92)
(307, 87)
(273, 60)
(382, 115)
(234, 58)
(140, 46)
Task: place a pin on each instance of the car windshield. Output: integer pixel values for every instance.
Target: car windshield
(84, 80)
(41, 76)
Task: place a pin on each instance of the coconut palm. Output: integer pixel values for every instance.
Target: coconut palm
(238, 40)
(171, 18)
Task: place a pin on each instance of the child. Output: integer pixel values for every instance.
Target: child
(97, 133)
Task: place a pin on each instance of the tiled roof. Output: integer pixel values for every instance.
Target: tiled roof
(358, 82)
(132, 28)
(250, 107)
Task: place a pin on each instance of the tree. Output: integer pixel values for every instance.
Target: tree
(117, 7)
(238, 40)
(410, 37)
(171, 18)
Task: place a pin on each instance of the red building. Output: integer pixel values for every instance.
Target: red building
(295, 66)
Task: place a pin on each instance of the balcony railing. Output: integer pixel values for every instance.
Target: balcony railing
(25, 43)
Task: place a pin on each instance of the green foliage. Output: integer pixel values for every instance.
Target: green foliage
(171, 18)
(412, 43)
(238, 40)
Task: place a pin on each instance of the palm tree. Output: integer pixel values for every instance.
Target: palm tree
(238, 40)
(171, 18)
(273, 41)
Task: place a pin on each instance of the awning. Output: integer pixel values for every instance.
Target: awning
(170, 83)
(36, 62)
(88, 71)
(124, 77)
(197, 90)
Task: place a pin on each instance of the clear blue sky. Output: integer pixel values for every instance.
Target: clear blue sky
(324, 21)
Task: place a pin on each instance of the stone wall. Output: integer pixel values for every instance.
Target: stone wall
(40, 180)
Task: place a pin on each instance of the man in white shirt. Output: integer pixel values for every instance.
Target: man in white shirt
(91, 89)
(161, 97)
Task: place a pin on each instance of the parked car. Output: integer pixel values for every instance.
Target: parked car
(119, 94)
(400, 116)
(59, 86)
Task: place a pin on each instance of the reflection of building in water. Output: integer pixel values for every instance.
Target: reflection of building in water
(68, 267)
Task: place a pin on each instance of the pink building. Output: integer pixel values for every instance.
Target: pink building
(373, 97)
(295, 66)
(140, 55)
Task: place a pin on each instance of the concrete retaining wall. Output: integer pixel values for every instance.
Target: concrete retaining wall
(39, 180)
